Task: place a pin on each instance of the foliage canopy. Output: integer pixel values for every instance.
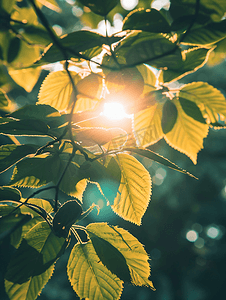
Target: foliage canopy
(139, 68)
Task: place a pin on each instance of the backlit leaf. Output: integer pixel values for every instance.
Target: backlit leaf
(10, 154)
(210, 101)
(187, 134)
(131, 249)
(26, 78)
(157, 158)
(147, 20)
(32, 264)
(89, 277)
(134, 191)
(56, 89)
(147, 125)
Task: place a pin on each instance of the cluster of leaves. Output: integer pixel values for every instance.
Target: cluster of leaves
(84, 146)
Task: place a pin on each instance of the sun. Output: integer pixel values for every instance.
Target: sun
(114, 111)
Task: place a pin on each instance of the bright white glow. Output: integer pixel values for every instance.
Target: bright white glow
(159, 4)
(114, 111)
(129, 4)
(192, 236)
(213, 232)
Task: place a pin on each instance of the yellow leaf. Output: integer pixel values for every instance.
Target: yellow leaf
(147, 125)
(134, 191)
(210, 100)
(26, 78)
(56, 89)
(187, 134)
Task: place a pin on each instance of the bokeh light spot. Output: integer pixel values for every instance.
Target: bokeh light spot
(129, 4)
(213, 232)
(192, 236)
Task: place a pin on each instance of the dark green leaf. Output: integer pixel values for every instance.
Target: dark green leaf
(191, 109)
(158, 158)
(3, 99)
(10, 154)
(31, 266)
(153, 49)
(111, 257)
(169, 116)
(24, 127)
(147, 20)
(100, 7)
(73, 43)
(206, 35)
(65, 217)
(9, 193)
(194, 59)
(14, 49)
(42, 112)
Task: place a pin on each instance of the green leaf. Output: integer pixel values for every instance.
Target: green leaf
(3, 99)
(56, 89)
(68, 214)
(130, 248)
(169, 116)
(192, 110)
(74, 43)
(195, 59)
(34, 172)
(147, 20)
(147, 125)
(9, 193)
(206, 35)
(41, 112)
(26, 78)
(150, 48)
(11, 223)
(157, 158)
(89, 277)
(31, 266)
(10, 154)
(100, 7)
(134, 191)
(7, 6)
(187, 134)
(24, 127)
(210, 101)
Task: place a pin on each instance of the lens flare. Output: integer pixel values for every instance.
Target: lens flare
(114, 111)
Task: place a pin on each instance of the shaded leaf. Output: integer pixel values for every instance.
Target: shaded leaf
(195, 59)
(99, 7)
(65, 217)
(157, 158)
(147, 20)
(10, 154)
(32, 264)
(130, 248)
(89, 277)
(24, 127)
(134, 192)
(187, 134)
(169, 116)
(74, 43)
(9, 193)
(192, 110)
(42, 112)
